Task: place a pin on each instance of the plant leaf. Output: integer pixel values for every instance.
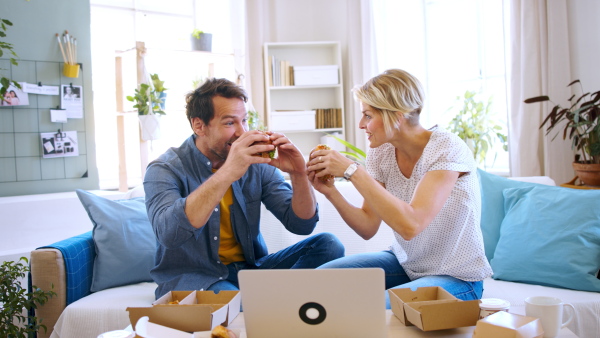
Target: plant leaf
(537, 99)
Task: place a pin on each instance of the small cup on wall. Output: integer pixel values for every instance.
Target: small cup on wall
(71, 70)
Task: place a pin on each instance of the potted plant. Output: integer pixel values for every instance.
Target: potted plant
(580, 121)
(6, 47)
(17, 318)
(147, 104)
(201, 41)
(474, 124)
(159, 90)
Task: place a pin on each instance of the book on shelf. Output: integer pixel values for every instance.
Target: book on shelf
(328, 118)
(281, 72)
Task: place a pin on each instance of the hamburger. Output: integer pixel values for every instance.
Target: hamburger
(321, 147)
(222, 332)
(265, 154)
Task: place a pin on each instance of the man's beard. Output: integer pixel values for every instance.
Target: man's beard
(224, 152)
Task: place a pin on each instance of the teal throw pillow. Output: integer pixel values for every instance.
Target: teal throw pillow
(550, 236)
(492, 207)
(124, 240)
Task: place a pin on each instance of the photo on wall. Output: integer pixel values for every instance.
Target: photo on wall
(71, 100)
(14, 96)
(60, 144)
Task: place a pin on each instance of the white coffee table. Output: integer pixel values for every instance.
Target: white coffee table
(397, 329)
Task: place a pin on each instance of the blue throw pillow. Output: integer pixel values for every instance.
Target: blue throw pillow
(492, 207)
(124, 240)
(550, 236)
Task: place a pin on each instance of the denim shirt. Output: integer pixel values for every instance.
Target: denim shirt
(188, 258)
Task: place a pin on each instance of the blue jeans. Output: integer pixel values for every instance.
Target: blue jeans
(396, 277)
(306, 254)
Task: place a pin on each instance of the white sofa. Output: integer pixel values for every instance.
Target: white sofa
(105, 310)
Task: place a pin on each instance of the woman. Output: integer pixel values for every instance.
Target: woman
(14, 99)
(422, 183)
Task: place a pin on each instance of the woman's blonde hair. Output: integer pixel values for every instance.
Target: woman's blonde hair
(391, 92)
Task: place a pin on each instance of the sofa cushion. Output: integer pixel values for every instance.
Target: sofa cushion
(124, 240)
(492, 206)
(550, 236)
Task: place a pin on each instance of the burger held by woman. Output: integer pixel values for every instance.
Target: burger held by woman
(421, 182)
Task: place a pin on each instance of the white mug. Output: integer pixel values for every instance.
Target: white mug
(550, 312)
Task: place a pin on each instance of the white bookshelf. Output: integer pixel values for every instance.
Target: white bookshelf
(304, 97)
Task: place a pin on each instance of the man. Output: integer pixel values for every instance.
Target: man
(204, 199)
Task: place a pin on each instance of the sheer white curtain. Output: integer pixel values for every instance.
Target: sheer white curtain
(451, 46)
(540, 65)
(258, 31)
(362, 63)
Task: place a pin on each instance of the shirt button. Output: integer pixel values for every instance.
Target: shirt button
(216, 209)
(220, 278)
(215, 238)
(218, 262)
(201, 289)
(208, 163)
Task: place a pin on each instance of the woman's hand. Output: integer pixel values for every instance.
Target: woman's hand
(328, 162)
(325, 187)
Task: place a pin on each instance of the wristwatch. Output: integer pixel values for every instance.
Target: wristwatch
(350, 171)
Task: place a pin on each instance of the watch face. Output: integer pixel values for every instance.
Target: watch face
(350, 171)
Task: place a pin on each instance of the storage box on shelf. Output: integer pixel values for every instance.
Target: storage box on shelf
(302, 77)
(292, 120)
(316, 75)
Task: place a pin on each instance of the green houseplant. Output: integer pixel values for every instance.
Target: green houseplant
(16, 320)
(356, 153)
(474, 124)
(580, 122)
(6, 47)
(159, 90)
(201, 41)
(146, 101)
(149, 111)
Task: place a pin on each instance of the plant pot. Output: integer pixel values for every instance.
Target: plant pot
(589, 174)
(150, 125)
(204, 43)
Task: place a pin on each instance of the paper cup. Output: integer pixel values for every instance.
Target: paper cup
(70, 70)
(490, 306)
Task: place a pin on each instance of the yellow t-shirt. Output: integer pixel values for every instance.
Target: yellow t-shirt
(230, 249)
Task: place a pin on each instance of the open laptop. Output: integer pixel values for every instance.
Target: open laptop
(313, 303)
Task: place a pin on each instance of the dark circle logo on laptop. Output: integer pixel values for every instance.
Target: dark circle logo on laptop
(312, 313)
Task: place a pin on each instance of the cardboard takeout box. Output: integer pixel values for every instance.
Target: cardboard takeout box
(432, 308)
(196, 311)
(508, 325)
(145, 329)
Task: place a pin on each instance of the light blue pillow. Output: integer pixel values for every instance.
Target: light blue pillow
(492, 207)
(124, 240)
(550, 236)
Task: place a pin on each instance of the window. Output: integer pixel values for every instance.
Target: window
(165, 27)
(452, 46)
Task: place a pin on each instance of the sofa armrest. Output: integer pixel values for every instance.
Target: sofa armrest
(48, 273)
(66, 267)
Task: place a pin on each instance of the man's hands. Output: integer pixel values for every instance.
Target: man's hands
(241, 153)
(289, 158)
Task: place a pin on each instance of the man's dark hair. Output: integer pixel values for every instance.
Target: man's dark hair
(199, 102)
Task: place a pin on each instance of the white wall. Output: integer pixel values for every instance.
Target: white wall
(584, 34)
